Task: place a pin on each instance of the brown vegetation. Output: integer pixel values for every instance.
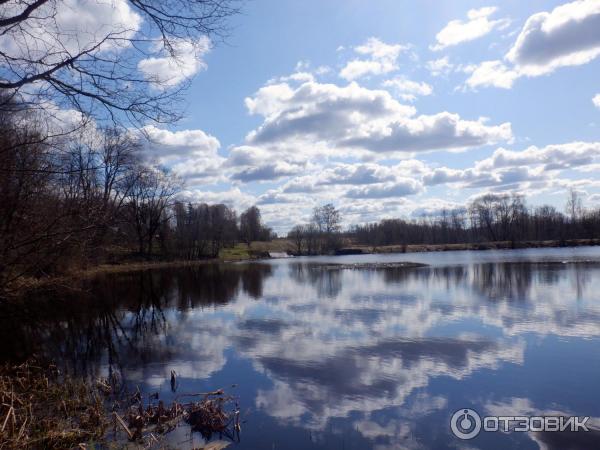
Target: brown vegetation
(43, 408)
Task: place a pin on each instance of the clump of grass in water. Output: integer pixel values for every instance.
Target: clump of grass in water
(42, 408)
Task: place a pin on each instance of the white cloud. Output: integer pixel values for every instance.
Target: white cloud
(168, 70)
(408, 89)
(191, 154)
(250, 163)
(478, 25)
(399, 188)
(439, 66)
(516, 170)
(233, 197)
(355, 174)
(382, 59)
(492, 73)
(596, 100)
(569, 35)
(353, 186)
(352, 117)
(551, 157)
(165, 144)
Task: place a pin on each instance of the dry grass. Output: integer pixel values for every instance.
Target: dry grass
(42, 408)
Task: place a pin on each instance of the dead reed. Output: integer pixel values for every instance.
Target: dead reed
(41, 408)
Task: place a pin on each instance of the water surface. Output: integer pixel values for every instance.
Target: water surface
(347, 359)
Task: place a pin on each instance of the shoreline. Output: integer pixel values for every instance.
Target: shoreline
(498, 245)
(22, 287)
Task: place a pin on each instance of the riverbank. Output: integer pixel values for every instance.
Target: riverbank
(262, 250)
(238, 253)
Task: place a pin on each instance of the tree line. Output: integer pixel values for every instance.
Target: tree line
(70, 197)
(321, 235)
(91, 197)
(490, 218)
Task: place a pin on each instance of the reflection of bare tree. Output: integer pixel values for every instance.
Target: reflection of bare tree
(119, 320)
(580, 278)
(513, 281)
(452, 275)
(328, 283)
(253, 277)
(505, 281)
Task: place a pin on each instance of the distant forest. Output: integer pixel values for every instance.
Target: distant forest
(491, 218)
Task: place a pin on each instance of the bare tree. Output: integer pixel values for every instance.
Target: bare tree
(493, 217)
(149, 193)
(327, 219)
(98, 57)
(250, 225)
(574, 206)
(298, 235)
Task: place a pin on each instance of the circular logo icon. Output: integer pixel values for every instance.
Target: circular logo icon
(465, 424)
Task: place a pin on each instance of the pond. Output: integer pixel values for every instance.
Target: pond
(326, 358)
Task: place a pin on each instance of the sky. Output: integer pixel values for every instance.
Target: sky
(389, 108)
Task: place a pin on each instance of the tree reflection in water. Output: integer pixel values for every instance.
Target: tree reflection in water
(322, 346)
(118, 319)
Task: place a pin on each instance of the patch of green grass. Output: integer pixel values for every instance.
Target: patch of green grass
(240, 251)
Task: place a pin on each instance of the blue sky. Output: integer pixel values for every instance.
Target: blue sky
(392, 108)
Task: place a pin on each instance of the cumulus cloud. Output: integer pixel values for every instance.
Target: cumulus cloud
(569, 35)
(492, 73)
(596, 101)
(512, 170)
(166, 144)
(355, 174)
(250, 163)
(380, 57)
(233, 197)
(424, 133)
(478, 25)
(407, 89)
(191, 154)
(170, 69)
(354, 117)
(439, 66)
(353, 185)
(400, 188)
(551, 157)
